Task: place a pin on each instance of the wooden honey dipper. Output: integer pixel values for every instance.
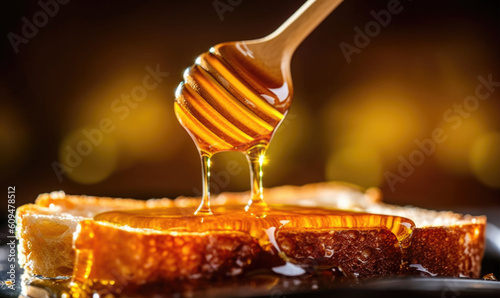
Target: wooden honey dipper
(235, 95)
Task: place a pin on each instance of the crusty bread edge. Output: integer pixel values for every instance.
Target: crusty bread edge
(55, 203)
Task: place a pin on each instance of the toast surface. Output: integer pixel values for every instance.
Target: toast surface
(441, 244)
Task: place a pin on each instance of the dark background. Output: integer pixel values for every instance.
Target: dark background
(348, 121)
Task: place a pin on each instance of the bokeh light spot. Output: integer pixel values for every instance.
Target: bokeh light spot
(453, 154)
(146, 133)
(378, 115)
(485, 159)
(13, 135)
(291, 139)
(88, 161)
(145, 127)
(356, 164)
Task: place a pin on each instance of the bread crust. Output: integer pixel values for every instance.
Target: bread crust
(442, 244)
(447, 251)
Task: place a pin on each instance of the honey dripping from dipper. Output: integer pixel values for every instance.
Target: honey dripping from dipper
(227, 103)
(233, 100)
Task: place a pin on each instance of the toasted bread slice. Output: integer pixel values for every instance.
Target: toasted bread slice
(48, 225)
(45, 229)
(442, 243)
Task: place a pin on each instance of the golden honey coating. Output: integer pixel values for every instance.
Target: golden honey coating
(126, 249)
(452, 248)
(226, 103)
(123, 258)
(233, 218)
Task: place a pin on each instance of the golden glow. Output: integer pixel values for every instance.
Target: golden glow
(14, 135)
(87, 162)
(453, 154)
(289, 142)
(262, 159)
(358, 164)
(379, 115)
(379, 122)
(144, 129)
(146, 133)
(485, 159)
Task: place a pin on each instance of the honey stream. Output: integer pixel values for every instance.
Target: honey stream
(227, 103)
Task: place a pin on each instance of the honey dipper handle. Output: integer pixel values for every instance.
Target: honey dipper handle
(294, 30)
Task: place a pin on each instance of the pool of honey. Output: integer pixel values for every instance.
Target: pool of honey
(235, 218)
(266, 227)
